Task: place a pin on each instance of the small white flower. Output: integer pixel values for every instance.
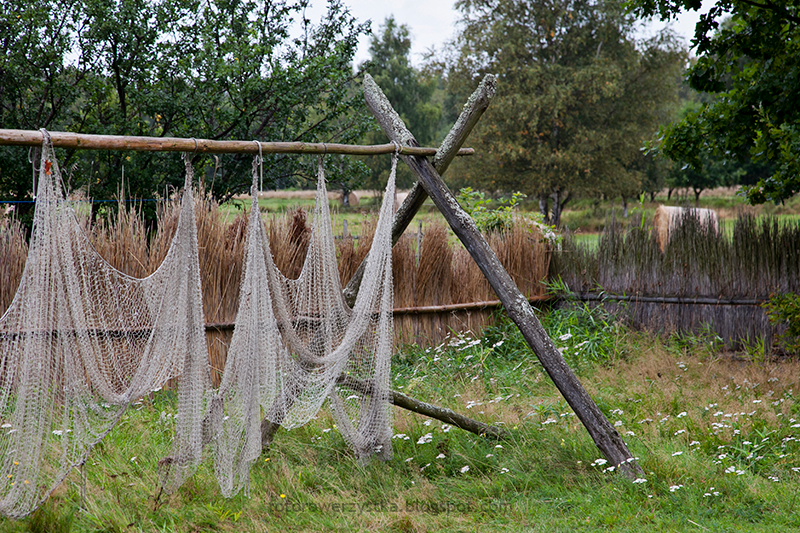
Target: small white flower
(440, 456)
(680, 432)
(730, 470)
(503, 470)
(639, 480)
(565, 337)
(425, 439)
(489, 455)
(673, 488)
(681, 414)
(465, 469)
(618, 423)
(677, 454)
(409, 459)
(499, 446)
(58, 432)
(629, 434)
(599, 462)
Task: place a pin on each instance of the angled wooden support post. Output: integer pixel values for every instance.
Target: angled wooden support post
(470, 114)
(519, 310)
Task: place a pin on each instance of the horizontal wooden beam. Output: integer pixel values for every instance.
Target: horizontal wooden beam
(85, 141)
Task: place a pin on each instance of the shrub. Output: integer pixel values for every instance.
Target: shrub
(785, 309)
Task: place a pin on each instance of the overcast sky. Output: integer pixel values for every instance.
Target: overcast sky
(432, 22)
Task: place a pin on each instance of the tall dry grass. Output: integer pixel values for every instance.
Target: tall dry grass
(13, 252)
(447, 274)
(442, 273)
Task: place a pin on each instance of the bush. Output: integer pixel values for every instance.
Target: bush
(785, 309)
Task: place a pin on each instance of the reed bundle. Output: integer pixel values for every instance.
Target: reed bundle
(441, 274)
(757, 258)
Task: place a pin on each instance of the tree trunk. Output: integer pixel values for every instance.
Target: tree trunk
(543, 208)
(519, 310)
(624, 206)
(560, 199)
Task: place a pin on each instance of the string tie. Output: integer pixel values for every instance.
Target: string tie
(260, 162)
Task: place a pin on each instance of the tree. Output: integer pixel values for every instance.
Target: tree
(218, 69)
(408, 89)
(751, 64)
(576, 98)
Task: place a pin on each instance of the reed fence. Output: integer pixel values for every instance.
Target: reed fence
(438, 289)
(705, 280)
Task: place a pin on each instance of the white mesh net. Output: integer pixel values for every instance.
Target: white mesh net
(297, 343)
(81, 341)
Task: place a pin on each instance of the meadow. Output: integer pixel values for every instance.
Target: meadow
(716, 434)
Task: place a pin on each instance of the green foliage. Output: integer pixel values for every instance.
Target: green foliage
(477, 206)
(784, 309)
(577, 96)
(217, 69)
(749, 62)
(583, 334)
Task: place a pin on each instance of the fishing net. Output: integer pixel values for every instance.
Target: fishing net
(296, 343)
(81, 341)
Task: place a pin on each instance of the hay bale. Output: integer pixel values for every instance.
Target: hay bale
(352, 199)
(668, 218)
(399, 198)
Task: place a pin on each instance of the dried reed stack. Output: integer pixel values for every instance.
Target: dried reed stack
(13, 253)
(445, 273)
(760, 257)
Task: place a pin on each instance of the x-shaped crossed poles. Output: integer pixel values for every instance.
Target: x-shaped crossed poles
(517, 306)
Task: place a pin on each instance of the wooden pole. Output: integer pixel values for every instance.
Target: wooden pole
(519, 310)
(470, 114)
(439, 413)
(84, 141)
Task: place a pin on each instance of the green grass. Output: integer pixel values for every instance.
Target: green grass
(715, 434)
